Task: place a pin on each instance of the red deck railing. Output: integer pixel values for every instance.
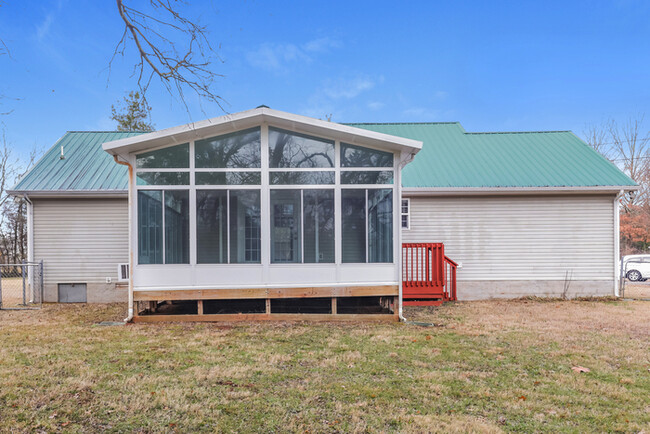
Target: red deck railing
(428, 276)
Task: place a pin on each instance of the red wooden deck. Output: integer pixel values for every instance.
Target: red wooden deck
(428, 276)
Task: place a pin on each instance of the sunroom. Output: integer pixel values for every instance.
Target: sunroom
(264, 215)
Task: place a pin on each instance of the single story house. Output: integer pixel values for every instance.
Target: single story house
(264, 211)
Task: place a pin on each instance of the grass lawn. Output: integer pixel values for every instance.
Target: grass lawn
(487, 367)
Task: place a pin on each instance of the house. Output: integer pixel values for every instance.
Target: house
(265, 211)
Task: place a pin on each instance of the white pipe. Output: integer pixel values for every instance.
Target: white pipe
(130, 313)
(617, 244)
(30, 245)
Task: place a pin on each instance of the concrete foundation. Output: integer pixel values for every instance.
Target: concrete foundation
(95, 293)
(487, 289)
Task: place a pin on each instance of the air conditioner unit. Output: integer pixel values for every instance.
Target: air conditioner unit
(122, 272)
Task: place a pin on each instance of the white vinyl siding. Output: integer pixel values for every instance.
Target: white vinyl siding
(520, 237)
(80, 240)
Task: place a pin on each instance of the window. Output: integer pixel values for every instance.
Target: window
(367, 225)
(367, 177)
(175, 157)
(318, 218)
(163, 234)
(358, 156)
(292, 150)
(302, 226)
(380, 225)
(353, 225)
(228, 226)
(240, 150)
(361, 165)
(228, 178)
(406, 213)
(177, 226)
(163, 178)
(304, 178)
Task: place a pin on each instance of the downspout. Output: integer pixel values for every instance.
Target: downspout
(401, 166)
(30, 244)
(617, 244)
(129, 316)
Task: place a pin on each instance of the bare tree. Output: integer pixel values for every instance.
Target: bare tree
(171, 47)
(630, 143)
(597, 137)
(13, 221)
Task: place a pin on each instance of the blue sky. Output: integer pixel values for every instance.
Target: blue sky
(492, 65)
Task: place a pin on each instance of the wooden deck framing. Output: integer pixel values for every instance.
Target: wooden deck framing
(388, 292)
(235, 317)
(267, 293)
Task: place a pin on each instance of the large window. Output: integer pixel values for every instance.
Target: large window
(223, 177)
(367, 225)
(163, 232)
(302, 226)
(228, 226)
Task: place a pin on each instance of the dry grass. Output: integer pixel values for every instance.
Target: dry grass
(488, 367)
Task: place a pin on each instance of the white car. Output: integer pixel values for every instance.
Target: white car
(636, 267)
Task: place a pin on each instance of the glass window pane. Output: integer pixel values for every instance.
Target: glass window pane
(285, 226)
(353, 212)
(150, 239)
(288, 149)
(291, 178)
(238, 150)
(211, 226)
(367, 177)
(163, 178)
(358, 156)
(228, 178)
(172, 157)
(245, 245)
(318, 214)
(177, 227)
(380, 225)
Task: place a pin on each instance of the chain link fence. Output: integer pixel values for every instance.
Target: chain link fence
(21, 285)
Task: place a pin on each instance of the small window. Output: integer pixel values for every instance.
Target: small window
(358, 156)
(163, 178)
(176, 157)
(296, 178)
(406, 213)
(228, 178)
(367, 177)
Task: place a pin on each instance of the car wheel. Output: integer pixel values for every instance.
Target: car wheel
(634, 275)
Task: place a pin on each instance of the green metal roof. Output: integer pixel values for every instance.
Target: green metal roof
(86, 167)
(452, 157)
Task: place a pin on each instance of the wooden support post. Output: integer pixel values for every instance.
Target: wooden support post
(199, 307)
(153, 305)
(268, 306)
(334, 305)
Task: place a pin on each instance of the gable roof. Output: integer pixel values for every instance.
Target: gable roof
(255, 117)
(453, 158)
(86, 168)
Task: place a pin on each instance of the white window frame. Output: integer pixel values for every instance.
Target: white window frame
(265, 189)
(407, 213)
